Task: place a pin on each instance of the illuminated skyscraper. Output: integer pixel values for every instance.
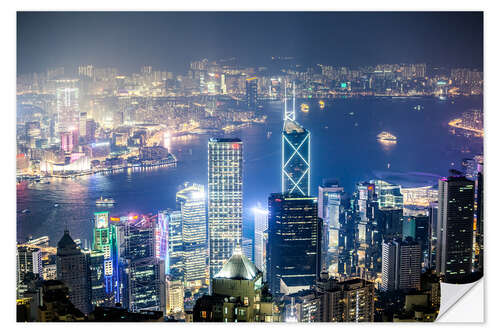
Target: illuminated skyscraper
(191, 200)
(329, 202)
(175, 245)
(296, 155)
(294, 247)
(260, 226)
(67, 107)
(105, 241)
(145, 272)
(247, 248)
(455, 228)
(251, 93)
(225, 199)
(389, 195)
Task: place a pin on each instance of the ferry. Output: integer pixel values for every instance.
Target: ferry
(56, 205)
(386, 137)
(25, 211)
(304, 107)
(321, 105)
(105, 201)
(418, 107)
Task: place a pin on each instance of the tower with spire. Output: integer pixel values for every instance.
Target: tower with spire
(295, 152)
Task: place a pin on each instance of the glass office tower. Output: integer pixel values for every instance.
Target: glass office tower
(294, 246)
(191, 200)
(455, 228)
(295, 154)
(225, 199)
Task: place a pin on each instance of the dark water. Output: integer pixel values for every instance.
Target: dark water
(344, 147)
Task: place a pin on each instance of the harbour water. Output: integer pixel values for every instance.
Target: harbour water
(344, 146)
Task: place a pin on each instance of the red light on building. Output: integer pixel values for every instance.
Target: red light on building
(236, 146)
(277, 200)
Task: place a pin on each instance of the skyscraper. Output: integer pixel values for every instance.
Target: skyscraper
(67, 107)
(105, 241)
(329, 202)
(294, 246)
(260, 226)
(146, 272)
(72, 269)
(191, 200)
(174, 245)
(225, 199)
(251, 93)
(455, 228)
(296, 155)
(29, 260)
(401, 268)
(247, 248)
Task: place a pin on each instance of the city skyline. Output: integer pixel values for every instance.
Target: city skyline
(153, 179)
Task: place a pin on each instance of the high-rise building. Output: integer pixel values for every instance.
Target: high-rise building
(174, 263)
(388, 195)
(251, 93)
(433, 224)
(295, 154)
(97, 280)
(401, 267)
(225, 199)
(145, 272)
(67, 107)
(191, 200)
(347, 301)
(294, 246)
(82, 125)
(331, 300)
(28, 260)
(260, 227)
(295, 160)
(247, 248)
(329, 209)
(390, 222)
(455, 229)
(72, 269)
(479, 230)
(104, 240)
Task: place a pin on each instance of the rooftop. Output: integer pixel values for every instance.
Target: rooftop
(238, 267)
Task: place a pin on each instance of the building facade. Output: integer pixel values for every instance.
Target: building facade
(455, 228)
(294, 243)
(225, 199)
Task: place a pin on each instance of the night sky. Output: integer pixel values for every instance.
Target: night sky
(170, 40)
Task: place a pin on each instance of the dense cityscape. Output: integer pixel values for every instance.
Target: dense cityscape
(377, 253)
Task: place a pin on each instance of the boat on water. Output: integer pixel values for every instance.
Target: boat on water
(56, 205)
(105, 201)
(304, 107)
(25, 211)
(269, 133)
(321, 105)
(386, 137)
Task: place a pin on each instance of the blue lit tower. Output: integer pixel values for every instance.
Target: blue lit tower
(296, 154)
(191, 200)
